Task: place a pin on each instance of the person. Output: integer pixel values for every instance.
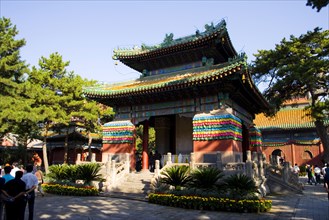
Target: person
(281, 160)
(317, 173)
(138, 162)
(2, 183)
(37, 161)
(151, 162)
(326, 179)
(14, 169)
(323, 172)
(296, 169)
(15, 191)
(31, 183)
(310, 174)
(7, 175)
(39, 176)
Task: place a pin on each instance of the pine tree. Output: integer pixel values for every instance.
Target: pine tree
(299, 67)
(12, 70)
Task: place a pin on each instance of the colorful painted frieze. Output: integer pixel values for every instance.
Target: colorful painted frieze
(118, 132)
(216, 127)
(255, 137)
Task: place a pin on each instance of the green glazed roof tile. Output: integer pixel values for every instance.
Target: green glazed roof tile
(162, 81)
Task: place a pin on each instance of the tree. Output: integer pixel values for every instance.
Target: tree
(64, 105)
(93, 114)
(17, 114)
(318, 4)
(12, 72)
(299, 67)
(48, 83)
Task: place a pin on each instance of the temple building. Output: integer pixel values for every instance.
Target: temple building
(196, 91)
(291, 134)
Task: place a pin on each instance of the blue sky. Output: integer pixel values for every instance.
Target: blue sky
(86, 32)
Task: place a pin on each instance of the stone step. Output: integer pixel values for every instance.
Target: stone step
(135, 184)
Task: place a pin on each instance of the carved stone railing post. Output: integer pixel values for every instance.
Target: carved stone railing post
(78, 159)
(93, 157)
(169, 159)
(248, 155)
(108, 168)
(157, 168)
(261, 165)
(192, 161)
(219, 162)
(285, 171)
(109, 157)
(113, 172)
(127, 163)
(255, 164)
(249, 170)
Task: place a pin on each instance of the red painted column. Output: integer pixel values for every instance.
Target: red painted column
(145, 157)
(293, 153)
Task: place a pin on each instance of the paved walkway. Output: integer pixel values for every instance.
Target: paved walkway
(312, 204)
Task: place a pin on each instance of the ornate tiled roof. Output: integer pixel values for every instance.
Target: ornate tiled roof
(160, 83)
(170, 45)
(289, 118)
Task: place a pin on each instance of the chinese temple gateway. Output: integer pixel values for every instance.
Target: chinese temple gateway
(195, 91)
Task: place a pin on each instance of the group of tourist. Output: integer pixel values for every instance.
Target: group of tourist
(315, 173)
(17, 190)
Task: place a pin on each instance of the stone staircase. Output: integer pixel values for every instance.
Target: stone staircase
(278, 186)
(135, 185)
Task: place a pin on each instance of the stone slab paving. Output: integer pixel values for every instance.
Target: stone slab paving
(312, 204)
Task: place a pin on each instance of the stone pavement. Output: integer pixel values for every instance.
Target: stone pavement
(312, 204)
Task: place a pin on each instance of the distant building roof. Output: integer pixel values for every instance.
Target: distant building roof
(288, 118)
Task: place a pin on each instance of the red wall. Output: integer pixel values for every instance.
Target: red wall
(217, 145)
(295, 153)
(121, 148)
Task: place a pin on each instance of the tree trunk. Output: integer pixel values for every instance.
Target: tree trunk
(90, 139)
(44, 151)
(66, 147)
(26, 142)
(322, 132)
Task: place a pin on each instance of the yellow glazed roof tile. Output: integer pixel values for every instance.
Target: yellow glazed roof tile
(290, 118)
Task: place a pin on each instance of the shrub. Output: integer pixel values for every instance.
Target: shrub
(240, 186)
(177, 176)
(69, 190)
(205, 178)
(58, 172)
(70, 173)
(158, 186)
(211, 203)
(89, 172)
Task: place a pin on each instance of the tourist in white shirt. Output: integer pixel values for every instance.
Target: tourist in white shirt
(31, 182)
(317, 172)
(14, 169)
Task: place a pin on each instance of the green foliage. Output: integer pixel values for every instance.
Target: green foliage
(67, 190)
(60, 172)
(68, 174)
(177, 176)
(139, 140)
(296, 68)
(89, 172)
(211, 203)
(240, 186)
(199, 190)
(14, 105)
(318, 4)
(205, 178)
(158, 186)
